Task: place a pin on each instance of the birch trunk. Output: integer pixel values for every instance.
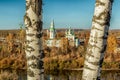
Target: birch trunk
(34, 51)
(98, 40)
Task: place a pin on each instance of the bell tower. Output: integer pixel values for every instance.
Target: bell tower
(52, 30)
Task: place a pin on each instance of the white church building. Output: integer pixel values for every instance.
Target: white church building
(52, 30)
(73, 41)
(69, 34)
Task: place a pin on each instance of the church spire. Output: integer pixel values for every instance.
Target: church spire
(52, 24)
(52, 30)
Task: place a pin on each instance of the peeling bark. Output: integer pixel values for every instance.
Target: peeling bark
(98, 40)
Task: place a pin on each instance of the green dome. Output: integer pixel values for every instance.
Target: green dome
(52, 29)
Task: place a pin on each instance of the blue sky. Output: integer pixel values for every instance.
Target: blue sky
(66, 13)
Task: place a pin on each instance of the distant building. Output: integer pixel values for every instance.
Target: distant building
(52, 30)
(69, 34)
(77, 42)
(52, 42)
(73, 41)
(52, 33)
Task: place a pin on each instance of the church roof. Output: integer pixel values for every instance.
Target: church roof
(69, 31)
(52, 29)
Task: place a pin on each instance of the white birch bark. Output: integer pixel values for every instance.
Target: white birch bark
(98, 40)
(34, 51)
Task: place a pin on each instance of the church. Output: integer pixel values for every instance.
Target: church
(54, 42)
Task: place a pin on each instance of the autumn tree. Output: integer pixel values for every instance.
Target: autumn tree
(64, 44)
(111, 43)
(111, 47)
(21, 38)
(10, 41)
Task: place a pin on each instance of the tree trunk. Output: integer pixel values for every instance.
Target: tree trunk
(98, 40)
(34, 50)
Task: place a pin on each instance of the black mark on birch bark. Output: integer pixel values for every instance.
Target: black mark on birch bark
(30, 73)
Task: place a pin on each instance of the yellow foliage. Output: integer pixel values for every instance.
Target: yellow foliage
(111, 43)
